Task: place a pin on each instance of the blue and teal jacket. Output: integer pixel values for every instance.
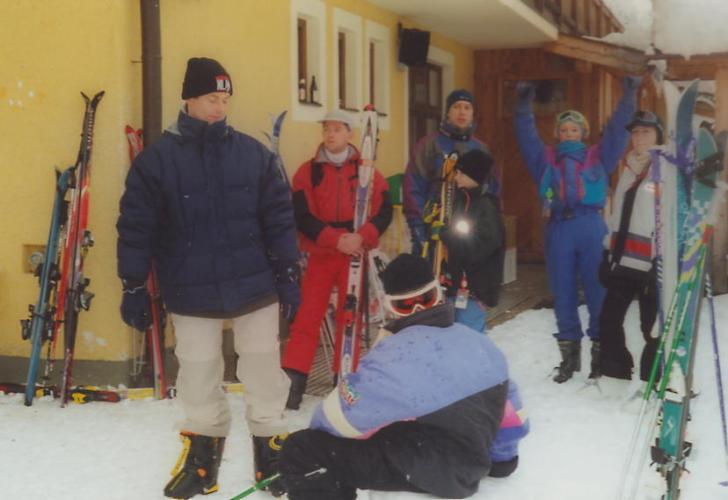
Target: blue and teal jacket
(572, 176)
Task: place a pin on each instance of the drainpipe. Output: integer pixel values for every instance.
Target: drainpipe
(151, 70)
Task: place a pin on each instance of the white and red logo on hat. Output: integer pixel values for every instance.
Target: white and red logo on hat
(223, 83)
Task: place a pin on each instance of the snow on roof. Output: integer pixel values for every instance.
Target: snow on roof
(681, 27)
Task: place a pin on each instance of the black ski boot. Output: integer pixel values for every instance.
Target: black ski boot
(266, 451)
(616, 365)
(196, 469)
(298, 386)
(647, 359)
(596, 368)
(571, 356)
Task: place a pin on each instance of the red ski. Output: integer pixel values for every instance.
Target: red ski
(74, 297)
(354, 302)
(155, 333)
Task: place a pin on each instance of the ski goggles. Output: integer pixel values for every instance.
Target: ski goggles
(416, 300)
(570, 115)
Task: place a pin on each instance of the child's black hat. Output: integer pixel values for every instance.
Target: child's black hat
(406, 273)
(476, 164)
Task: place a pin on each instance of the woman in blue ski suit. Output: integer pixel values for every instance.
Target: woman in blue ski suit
(572, 180)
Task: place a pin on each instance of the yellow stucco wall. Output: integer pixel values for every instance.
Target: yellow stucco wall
(52, 49)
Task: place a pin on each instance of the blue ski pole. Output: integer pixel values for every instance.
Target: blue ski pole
(718, 374)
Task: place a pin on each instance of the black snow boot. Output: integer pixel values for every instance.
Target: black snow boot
(596, 369)
(571, 360)
(298, 386)
(616, 365)
(266, 452)
(196, 470)
(647, 359)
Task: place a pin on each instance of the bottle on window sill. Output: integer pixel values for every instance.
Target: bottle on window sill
(302, 90)
(313, 91)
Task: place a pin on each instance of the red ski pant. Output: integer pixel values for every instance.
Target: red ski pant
(322, 273)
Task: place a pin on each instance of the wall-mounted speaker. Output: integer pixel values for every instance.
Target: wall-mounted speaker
(413, 46)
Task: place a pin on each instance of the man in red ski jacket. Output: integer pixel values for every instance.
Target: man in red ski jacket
(324, 195)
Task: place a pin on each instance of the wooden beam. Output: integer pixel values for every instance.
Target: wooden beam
(623, 59)
(703, 67)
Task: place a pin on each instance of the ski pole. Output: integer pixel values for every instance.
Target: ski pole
(257, 486)
(718, 374)
(265, 482)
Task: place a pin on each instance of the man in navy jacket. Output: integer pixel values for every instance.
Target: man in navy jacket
(207, 205)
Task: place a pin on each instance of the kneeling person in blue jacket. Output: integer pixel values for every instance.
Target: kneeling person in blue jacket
(431, 408)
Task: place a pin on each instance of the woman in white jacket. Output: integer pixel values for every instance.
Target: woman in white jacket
(627, 270)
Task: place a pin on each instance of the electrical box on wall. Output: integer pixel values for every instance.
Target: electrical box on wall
(32, 256)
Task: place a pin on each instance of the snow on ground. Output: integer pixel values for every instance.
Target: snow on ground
(576, 448)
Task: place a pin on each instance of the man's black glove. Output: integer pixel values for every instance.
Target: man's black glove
(136, 306)
(631, 83)
(289, 293)
(417, 233)
(525, 91)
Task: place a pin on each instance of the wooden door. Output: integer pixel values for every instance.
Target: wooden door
(425, 101)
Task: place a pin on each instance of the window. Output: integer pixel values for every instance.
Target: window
(342, 69)
(348, 44)
(440, 75)
(308, 59)
(302, 46)
(377, 60)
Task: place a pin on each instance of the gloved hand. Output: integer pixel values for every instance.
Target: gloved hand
(135, 306)
(418, 237)
(631, 83)
(289, 298)
(289, 294)
(525, 91)
(445, 234)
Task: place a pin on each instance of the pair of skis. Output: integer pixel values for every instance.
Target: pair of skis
(687, 178)
(354, 307)
(63, 293)
(152, 340)
(78, 395)
(437, 213)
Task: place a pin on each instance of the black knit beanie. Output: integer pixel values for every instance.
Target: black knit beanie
(204, 76)
(405, 273)
(458, 95)
(476, 164)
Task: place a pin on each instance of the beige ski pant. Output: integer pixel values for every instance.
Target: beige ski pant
(201, 367)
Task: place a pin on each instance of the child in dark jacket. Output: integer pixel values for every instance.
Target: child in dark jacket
(474, 238)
